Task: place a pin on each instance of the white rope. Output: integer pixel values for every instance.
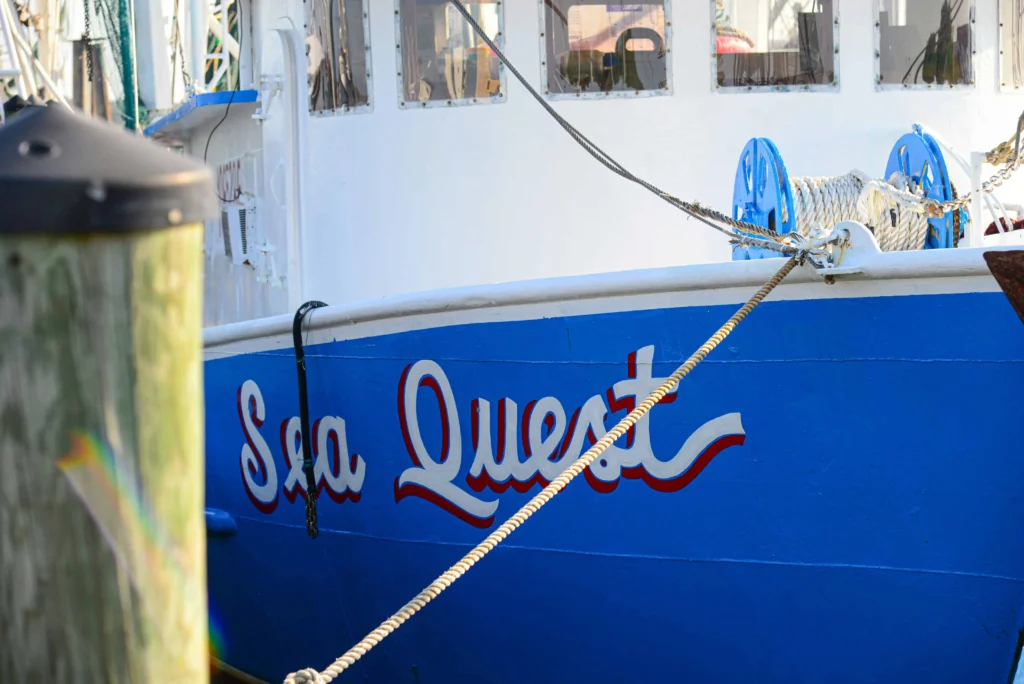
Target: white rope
(821, 203)
(432, 591)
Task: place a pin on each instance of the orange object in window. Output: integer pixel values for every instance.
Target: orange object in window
(732, 44)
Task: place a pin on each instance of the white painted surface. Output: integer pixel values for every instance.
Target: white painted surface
(405, 201)
(395, 202)
(238, 292)
(154, 69)
(877, 275)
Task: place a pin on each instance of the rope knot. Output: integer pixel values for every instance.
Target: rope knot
(307, 676)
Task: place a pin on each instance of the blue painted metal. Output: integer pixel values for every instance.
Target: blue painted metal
(186, 117)
(762, 194)
(920, 158)
(220, 523)
(851, 537)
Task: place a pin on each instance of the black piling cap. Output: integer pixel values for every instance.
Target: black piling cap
(62, 172)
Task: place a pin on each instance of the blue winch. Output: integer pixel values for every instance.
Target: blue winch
(763, 193)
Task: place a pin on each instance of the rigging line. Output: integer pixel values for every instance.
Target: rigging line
(227, 77)
(694, 210)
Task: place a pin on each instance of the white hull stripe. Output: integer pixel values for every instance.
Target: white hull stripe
(883, 275)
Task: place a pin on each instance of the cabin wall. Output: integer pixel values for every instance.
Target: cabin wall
(400, 200)
(238, 292)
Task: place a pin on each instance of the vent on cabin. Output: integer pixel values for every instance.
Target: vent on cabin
(225, 232)
(236, 222)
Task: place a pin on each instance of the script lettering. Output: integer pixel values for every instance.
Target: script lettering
(431, 479)
(550, 443)
(259, 474)
(335, 471)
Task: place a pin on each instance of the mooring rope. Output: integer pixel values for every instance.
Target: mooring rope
(817, 202)
(434, 589)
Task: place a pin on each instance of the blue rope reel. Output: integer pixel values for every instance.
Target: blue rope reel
(763, 192)
(917, 156)
(762, 195)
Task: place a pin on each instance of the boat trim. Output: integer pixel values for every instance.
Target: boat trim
(294, 105)
(1004, 47)
(879, 275)
(235, 673)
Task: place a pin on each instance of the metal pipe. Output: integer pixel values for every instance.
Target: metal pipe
(198, 12)
(230, 41)
(26, 51)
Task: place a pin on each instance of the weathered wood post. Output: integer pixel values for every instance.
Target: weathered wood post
(102, 540)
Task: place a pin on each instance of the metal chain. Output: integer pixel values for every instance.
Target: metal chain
(956, 218)
(987, 187)
(87, 36)
(934, 209)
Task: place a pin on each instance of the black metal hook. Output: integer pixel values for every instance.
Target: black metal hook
(307, 449)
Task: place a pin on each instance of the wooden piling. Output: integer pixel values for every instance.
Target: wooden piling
(102, 537)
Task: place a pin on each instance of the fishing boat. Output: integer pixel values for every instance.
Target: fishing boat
(426, 303)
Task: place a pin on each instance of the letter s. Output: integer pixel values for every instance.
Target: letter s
(259, 474)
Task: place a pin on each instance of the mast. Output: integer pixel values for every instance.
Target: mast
(126, 28)
(197, 16)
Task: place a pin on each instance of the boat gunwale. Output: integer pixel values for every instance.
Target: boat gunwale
(877, 266)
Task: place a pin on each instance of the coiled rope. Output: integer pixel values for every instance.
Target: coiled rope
(432, 591)
(824, 202)
(821, 203)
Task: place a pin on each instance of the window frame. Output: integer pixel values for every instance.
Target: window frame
(832, 87)
(668, 91)
(502, 95)
(344, 110)
(1004, 85)
(972, 33)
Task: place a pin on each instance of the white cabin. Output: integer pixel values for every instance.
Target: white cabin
(424, 165)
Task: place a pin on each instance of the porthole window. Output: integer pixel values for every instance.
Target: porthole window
(442, 61)
(775, 45)
(597, 50)
(1011, 45)
(338, 56)
(924, 44)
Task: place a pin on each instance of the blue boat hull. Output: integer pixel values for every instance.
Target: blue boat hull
(832, 496)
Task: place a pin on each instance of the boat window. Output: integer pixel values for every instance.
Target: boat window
(442, 61)
(594, 49)
(338, 56)
(775, 44)
(1011, 44)
(924, 44)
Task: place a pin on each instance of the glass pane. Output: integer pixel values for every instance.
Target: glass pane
(1011, 58)
(925, 42)
(337, 55)
(442, 56)
(596, 47)
(774, 42)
